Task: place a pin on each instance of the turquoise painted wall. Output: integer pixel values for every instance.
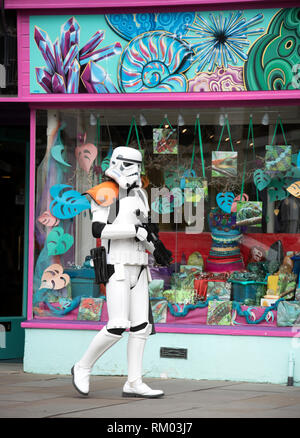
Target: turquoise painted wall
(211, 357)
(164, 52)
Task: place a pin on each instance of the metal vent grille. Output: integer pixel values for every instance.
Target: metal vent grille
(176, 353)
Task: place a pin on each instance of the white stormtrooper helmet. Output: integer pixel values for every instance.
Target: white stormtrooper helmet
(125, 166)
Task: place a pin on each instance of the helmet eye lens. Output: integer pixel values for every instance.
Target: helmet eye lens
(127, 164)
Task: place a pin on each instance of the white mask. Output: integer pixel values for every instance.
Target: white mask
(125, 166)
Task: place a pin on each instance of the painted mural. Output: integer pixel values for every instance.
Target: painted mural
(165, 52)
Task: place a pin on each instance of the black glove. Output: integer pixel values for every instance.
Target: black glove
(162, 255)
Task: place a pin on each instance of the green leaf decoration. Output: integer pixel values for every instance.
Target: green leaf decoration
(261, 179)
(58, 152)
(67, 202)
(105, 163)
(59, 242)
(225, 201)
(294, 171)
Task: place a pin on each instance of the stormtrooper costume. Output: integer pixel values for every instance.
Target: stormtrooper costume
(125, 241)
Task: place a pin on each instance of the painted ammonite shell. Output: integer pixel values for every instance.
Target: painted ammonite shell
(155, 62)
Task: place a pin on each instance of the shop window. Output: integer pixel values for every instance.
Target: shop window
(221, 183)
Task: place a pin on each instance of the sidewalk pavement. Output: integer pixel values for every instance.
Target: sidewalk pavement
(24, 395)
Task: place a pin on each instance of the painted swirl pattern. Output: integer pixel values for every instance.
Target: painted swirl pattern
(219, 80)
(271, 59)
(155, 62)
(129, 26)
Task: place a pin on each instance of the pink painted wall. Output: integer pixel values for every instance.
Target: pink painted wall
(23, 54)
(122, 5)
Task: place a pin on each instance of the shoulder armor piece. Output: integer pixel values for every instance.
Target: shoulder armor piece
(105, 193)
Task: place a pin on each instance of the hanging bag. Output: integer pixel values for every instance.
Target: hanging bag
(224, 164)
(133, 124)
(278, 159)
(189, 179)
(165, 139)
(248, 213)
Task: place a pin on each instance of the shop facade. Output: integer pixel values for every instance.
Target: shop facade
(209, 92)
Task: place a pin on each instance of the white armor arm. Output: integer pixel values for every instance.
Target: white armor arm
(123, 231)
(149, 246)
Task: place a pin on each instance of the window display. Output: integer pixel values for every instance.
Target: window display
(223, 187)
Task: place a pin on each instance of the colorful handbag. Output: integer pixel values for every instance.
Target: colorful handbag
(248, 213)
(159, 310)
(184, 296)
(288, 313)
(133, 124)
(165, 139)
(219, 290)
(90, 309)
(219, 312)
(224, 164)
(198, 185)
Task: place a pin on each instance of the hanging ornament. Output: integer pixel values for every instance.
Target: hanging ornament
(105, 162)
(58, 150)
(277, 194)
(86, 155)
(48, 219)
(145, 181)
(294, 171)
(67, 202)
(261, 179)
(298, 159)
(244, 197)
(57, 153)
(225, 201)
(59, 242)
(54, 278)
(294, 189)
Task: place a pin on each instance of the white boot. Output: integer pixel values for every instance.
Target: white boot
(81, 371)
(134, 387)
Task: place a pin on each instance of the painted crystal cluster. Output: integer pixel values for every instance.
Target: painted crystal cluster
(70, 69)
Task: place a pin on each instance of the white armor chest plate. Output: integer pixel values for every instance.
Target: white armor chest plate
(128, 207)
(129, 251)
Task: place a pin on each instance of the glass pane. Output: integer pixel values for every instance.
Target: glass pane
(201, 219)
